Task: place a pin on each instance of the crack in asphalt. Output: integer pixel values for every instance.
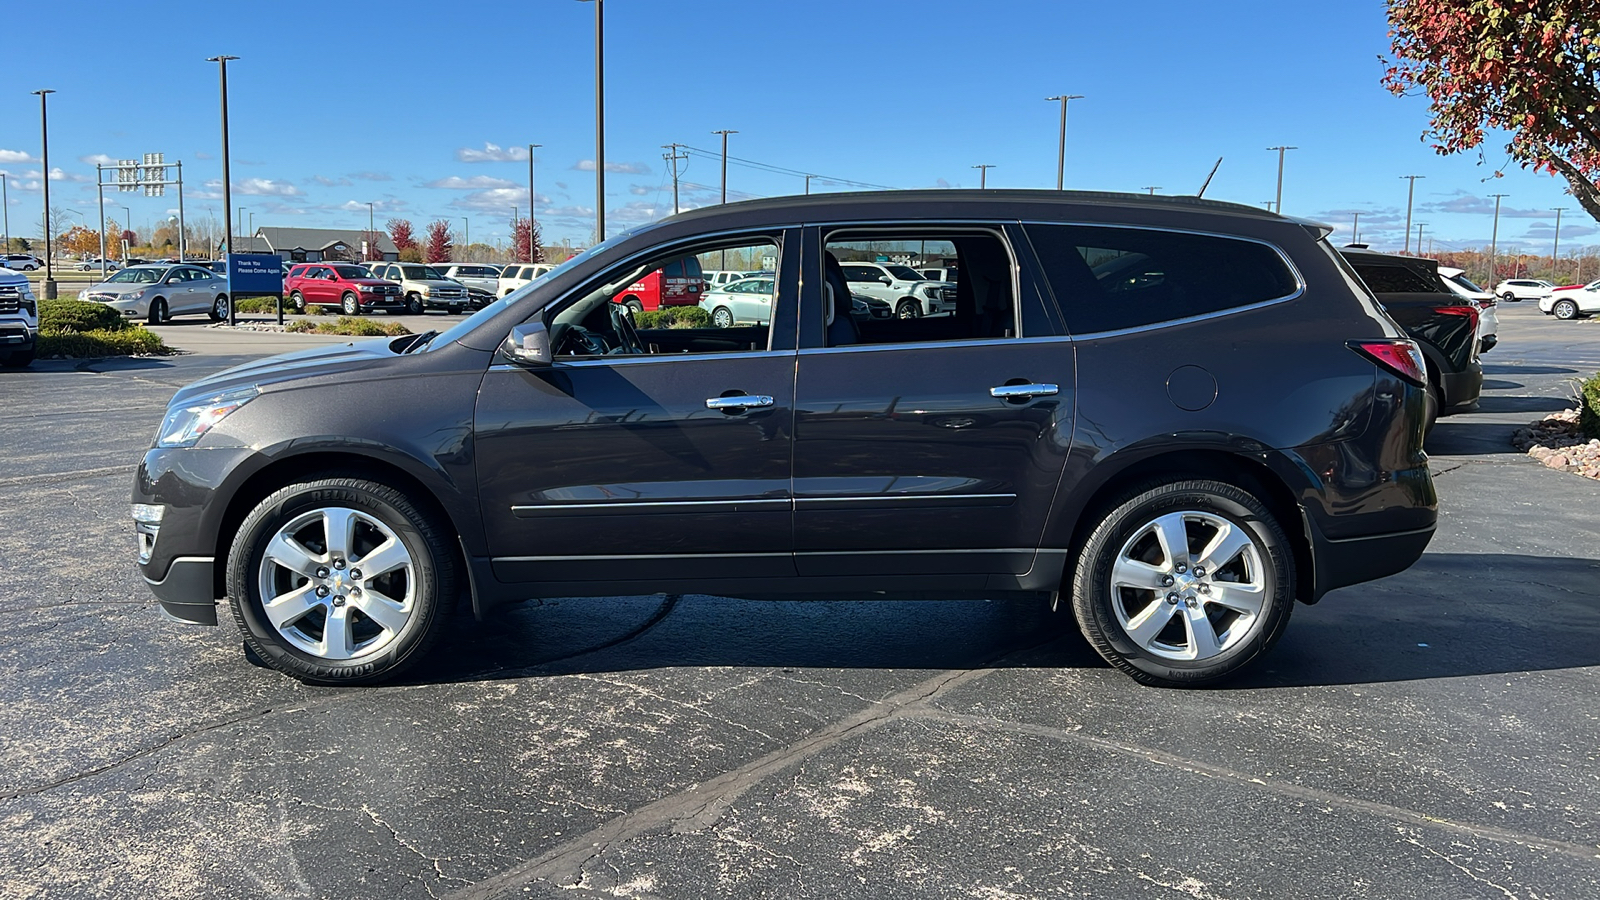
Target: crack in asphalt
(57, 477)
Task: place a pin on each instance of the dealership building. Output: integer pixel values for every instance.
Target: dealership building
(316, 244)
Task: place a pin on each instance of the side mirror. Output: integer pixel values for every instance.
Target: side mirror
(885, 279)
(528, 344)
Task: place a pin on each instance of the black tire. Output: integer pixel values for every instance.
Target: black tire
(1509, 297)
(158, 311)
(1433, 404)
(722, 317)
(633, 304)
(909, 308)
(434, 567)
(17, 359)
(219, 308)
(298, 301)
(414, 305)
(350, 304)
(1095, 602)
(1565, 310)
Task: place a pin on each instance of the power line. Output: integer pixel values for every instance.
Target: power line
(784, 170)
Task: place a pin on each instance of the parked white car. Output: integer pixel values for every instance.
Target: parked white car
(19, 320)
(157, 293)
(518, 274)
(1459, 284)
(911, 295)
(21, 261)
(94, 262)
(716, 278)
(1572, 303)
(1513, 289)
(743, 302)
(950, 275)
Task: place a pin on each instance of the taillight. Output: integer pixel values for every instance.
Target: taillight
(1401, 357)
(1470, 312)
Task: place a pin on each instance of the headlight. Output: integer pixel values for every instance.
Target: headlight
(185, 426)
(933, 293)
(365, 288)
(427, 292)
(133, 295)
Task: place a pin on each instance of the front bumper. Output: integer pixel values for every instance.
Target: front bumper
(185, 591)
(18, 335)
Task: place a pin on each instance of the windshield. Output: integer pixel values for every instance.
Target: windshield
(351, 272)
(421, 273)
(904, 273)
(136, 276)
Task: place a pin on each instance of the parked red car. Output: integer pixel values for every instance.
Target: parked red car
(345, 285)
(680, 283)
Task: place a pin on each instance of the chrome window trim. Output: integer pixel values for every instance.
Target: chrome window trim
(929, 345)
(1299, 291)
(879, 498)
(583, 362)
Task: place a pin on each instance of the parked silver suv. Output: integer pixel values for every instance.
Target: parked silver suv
(19, 320)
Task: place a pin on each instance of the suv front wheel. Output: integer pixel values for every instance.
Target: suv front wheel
(1184, 583)
(340, 580)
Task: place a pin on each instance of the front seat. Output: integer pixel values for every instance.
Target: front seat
(841, 329)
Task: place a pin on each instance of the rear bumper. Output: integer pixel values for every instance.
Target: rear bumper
(1346, 561)
(185, 592)
(1462, 388)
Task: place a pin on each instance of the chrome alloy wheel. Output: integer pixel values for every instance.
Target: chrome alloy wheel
(1189, 585)
(337, 583)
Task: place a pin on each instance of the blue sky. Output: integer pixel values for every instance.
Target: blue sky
(332, 108)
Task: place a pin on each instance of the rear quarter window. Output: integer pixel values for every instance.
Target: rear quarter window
(1395, 280)
(1110, 279)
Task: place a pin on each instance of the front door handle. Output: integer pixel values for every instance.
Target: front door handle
(738, 401)
(1023, 391)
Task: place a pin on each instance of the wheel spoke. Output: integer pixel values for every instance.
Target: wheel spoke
(289, 554)
(340, 527)
(336, 633)
(1173, 532)
(1245, 599)
(285, 609)
(382, 610)
(1229, 542)
(1135, 574)
(386, 557)
(1145, 627)
(1203, 641)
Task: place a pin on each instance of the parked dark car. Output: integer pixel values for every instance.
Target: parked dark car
(1443, 323)
(1178, 457)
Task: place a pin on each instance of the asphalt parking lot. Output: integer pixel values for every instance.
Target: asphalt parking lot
(1432, 734)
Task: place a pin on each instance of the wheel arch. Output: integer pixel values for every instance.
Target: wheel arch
(1253, 473)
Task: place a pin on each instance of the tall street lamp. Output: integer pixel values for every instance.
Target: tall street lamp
(1278, 204)
(227, 183)
(466, 238)
(1355, 229)
(1494, 238)
(1061, 149)
(1554, 250)
(983, 175)
(725, 132)
(1411, 194)
(599, 119)
(44, 141)
(5, 210)
(532, 194)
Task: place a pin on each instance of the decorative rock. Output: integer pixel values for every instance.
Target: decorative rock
(1558, 443)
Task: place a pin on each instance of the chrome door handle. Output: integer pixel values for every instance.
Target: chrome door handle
(739, 401)
(1023, 391)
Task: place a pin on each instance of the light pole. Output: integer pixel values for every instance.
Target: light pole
(1061, 148)
(1411, 194)
(1420, 226)
(44, 141)
(532, 194)
(808, 183)
(1355, 230)
(1278, 204)
(239, 230)
(725, 132)
(466, 238)
(599, 120)
(983, 175)
(227, 182)
(1494, 238)
(1554, 262)
(1152, 188)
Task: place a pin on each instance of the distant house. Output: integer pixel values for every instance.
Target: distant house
(315, 244)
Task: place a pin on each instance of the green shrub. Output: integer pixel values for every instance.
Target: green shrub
(349, 325)
(674, 317)
(1589, 406)
(262, 305)
(129, 341)
(58, 316)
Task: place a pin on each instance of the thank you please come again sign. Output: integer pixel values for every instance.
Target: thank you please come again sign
(255, 273)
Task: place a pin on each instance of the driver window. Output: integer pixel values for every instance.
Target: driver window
(662, 306)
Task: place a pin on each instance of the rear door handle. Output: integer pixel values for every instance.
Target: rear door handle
(738, 401)
(1023, 391)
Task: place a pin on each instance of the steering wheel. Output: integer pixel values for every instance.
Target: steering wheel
(579, 341)
(628, 340)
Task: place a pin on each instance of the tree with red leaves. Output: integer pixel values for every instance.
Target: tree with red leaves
(527, 242)
(1530, 67)
(439, 245)
(400, 233)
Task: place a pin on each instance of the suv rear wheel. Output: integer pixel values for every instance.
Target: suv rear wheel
(1184, 582)
(340, 581)
(298, 300)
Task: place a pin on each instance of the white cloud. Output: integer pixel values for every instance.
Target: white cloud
(587, 165)
(97, 159)
(477, 182)
(15, 156)
(372, 176)
(265, 187)
(325, 181)
(640, 190)
(492, 153)
(500, 200)
(58, 174)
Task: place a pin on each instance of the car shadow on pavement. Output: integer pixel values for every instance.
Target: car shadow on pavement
(1527, 370)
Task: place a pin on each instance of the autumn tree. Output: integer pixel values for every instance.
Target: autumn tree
(526, 241)
(401, 234)
(80, 241)
(1528, 67)
(439, 244)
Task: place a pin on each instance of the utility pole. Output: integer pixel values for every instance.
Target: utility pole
(725, 132)
(44, 141)
(1411, 194)
(1152, 188)
(983, 175)
(808, 183)
(1061, 147)
(532, 194)
(227, 184)
(1355, 230)
(466, 238)
(1419, 237)
(1494, 238)
(5, 209)
(673, 156)
(1278, 204)
(1267, 204)
(239, 229)
(1553, 251)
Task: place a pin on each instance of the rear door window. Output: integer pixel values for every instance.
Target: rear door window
(1110, 279)
(1395, 279)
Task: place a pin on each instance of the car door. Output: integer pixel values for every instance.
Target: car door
(637, 468)
(179, 291)
(931, 448)
(754, 299)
